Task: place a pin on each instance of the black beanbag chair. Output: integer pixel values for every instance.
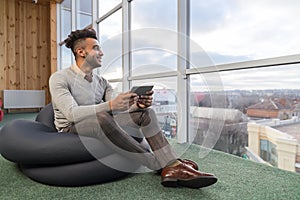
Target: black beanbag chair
(61, 159)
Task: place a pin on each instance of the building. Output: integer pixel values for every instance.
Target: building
(276, 143)
(271, 108)
(219, 128)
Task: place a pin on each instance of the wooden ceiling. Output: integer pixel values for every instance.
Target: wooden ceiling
(44, 1)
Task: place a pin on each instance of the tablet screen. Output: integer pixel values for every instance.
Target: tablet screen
(141, 90)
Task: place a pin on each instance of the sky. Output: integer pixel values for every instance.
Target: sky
(222, 31)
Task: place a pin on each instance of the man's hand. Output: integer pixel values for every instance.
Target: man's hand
(145, 101)
(123, 101)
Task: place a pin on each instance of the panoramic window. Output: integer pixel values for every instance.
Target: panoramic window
(259, 95)
(154, 39)
(110, 32)
(254, 40)
(164, 103)
(66, 27)
(232, 31)
(259, 33)
(73, 15)
(105, 6)
(84, 15)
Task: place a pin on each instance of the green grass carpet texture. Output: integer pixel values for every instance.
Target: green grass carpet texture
(238, 179)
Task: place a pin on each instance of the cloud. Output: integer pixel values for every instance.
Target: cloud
(105, 6)
(153, 61)
(277, 77)
(111, 27)
(154, 13)
(222, 32)
(209, 15)
(254, 29)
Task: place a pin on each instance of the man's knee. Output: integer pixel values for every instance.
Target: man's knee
(148, 116)
(103, 117)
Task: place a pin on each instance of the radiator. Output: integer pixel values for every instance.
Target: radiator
(23, 99)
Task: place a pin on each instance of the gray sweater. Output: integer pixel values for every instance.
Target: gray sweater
(74, 98)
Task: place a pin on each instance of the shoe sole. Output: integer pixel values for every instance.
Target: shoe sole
(193, 183)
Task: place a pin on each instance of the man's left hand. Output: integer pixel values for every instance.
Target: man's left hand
(145, 101)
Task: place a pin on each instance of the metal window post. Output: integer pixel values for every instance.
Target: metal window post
(95, 14)
(126, 44)
(182, 65)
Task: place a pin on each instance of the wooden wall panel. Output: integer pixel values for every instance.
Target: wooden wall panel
(10, 67)
(24, 46)
(44, 49)
(53, 39)
(3, 39)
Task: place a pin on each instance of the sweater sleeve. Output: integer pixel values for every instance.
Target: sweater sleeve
(63, 100)
(108, 90)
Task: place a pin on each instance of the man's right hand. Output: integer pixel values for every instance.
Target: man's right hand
(123, 101)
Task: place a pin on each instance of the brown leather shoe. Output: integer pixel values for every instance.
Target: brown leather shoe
(185, 161)
(185, 175)
(190, 163)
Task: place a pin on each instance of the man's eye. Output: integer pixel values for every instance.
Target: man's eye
(97, 48)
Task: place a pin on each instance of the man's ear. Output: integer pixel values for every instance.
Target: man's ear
(81, 52)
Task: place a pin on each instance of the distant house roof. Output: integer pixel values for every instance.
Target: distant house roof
(291, 129)
(270, 104)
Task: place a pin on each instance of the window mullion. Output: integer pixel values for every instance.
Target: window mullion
(126, 43)
(182, 79)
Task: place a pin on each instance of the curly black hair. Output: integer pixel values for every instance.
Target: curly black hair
(79, 34)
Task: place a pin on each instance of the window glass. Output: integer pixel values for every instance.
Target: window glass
(268, 152)
(164, 103)
(85, 6)
(65, 23)
(152, 22)
(154, 37)
(117, 88)
(66, 4)
(154, 13)
(152, 53)
(83, 21)
(152, 61)
(105, 5)
(284, 78)
(220, 111)
(84, 13)
(111, 44)
(66, 57)
(232, 30)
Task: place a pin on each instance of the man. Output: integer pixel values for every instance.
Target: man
(83, 104)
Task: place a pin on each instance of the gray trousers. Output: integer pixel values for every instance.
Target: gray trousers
(122, 131)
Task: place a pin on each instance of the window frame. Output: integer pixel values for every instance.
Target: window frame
(184, 71)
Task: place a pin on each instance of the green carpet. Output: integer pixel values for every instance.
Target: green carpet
(238, 179)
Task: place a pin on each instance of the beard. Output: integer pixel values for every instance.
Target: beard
(92, 60)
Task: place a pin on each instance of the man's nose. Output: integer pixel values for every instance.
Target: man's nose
(101, 53)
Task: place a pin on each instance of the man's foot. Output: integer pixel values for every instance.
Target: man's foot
(190, 163)
(184, 175)
(185, 161)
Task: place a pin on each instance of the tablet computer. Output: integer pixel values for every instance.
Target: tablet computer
(141, 90)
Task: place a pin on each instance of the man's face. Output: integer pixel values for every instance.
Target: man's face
(93, 53)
